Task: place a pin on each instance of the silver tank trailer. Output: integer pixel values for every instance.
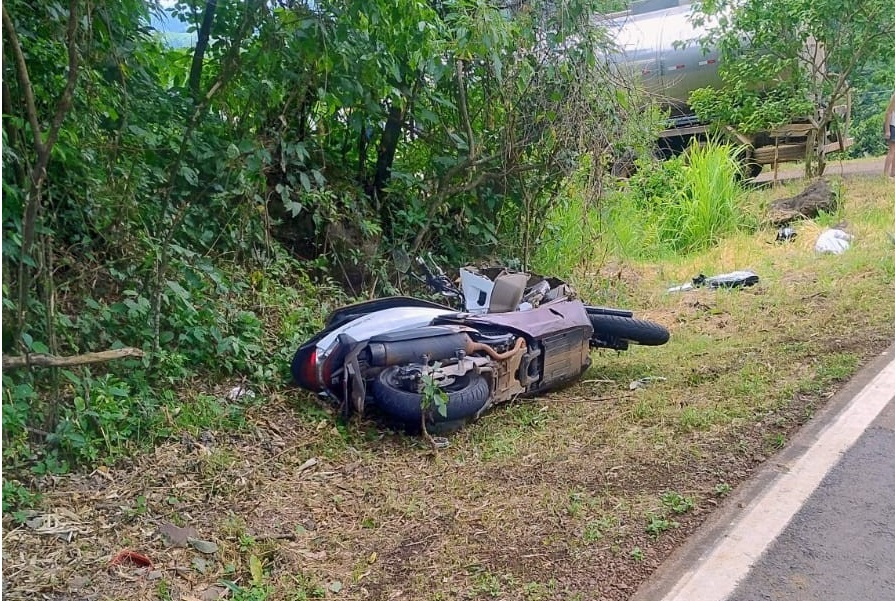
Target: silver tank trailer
(663, 49)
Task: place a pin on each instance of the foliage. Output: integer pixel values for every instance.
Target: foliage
(684, 204)
(198, 203)
(657, 524)
(809, 49)
(676, 502)
(433, 396)
(748, 110)
(872, 87)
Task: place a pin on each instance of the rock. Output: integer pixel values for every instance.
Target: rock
(177, 536)
(203, 546)
(815, 198)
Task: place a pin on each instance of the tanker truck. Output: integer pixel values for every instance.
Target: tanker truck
(657, 41)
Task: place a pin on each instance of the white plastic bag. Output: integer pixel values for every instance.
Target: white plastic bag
(833, 241)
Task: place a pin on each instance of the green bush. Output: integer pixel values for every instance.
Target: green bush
(680, 205)
(684, 204)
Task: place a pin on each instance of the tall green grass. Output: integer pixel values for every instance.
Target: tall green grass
(678, 206)
(570, 237)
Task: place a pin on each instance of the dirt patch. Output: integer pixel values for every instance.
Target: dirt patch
(387, 518)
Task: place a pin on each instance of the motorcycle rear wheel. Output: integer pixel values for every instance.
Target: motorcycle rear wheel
(629, 329)
(466, 397)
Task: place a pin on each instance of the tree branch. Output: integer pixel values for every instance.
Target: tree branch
(464, 108)
(73, 360)
(42, 148)
(201, 45)
(24, 79)
(65, 102)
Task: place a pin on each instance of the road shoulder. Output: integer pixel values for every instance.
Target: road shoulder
(702, 566)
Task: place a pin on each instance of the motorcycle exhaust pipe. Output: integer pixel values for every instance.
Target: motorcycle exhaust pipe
(417, 350)
(437, 348)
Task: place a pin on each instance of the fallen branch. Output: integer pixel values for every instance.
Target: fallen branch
(41, 360)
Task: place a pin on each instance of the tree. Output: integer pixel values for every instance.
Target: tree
(812, 48)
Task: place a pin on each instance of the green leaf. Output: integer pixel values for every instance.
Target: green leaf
(189, 174)
(203, 546)
(305, 181)
(39, 347)
(257, 570)
(179, 290)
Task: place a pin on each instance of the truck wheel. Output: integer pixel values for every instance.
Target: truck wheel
(466, 396)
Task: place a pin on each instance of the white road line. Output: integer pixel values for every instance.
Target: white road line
(727, 563)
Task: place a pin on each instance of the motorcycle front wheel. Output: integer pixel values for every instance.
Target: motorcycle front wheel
(639, 331)
(466, 396)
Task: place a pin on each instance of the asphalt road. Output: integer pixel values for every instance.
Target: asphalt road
(840, 546)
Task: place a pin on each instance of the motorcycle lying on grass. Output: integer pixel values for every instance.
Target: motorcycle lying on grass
(421, 363)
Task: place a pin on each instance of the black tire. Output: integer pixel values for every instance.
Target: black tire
(466, 396)
(639, 331)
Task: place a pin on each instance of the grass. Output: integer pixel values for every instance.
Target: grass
(571, 495)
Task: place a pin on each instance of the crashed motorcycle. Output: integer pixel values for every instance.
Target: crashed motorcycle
(511, 335)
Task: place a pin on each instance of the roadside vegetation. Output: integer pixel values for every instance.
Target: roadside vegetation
(209, 212)
(299, 504)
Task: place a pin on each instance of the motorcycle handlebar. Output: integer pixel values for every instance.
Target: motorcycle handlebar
(436, 279)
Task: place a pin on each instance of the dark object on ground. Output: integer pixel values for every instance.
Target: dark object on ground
(786, 234)
(809, 203)
(734, 279)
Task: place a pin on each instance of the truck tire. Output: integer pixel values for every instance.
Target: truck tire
(466, 397)
(628, 329)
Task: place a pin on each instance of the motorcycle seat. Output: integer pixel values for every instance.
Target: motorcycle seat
(507, 293)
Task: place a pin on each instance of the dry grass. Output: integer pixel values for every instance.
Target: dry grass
(544, 499)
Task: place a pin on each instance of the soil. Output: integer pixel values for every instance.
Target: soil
(851, 168)
(361, 513)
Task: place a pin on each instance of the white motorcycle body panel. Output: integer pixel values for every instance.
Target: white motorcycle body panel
(372, 324)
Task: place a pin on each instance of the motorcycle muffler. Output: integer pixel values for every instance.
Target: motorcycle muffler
(435, 348)
(417, 350)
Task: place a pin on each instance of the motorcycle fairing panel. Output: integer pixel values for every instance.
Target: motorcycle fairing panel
(557, 315)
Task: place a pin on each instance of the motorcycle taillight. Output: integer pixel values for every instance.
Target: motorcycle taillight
(304, 369)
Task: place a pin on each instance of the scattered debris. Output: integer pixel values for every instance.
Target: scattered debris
(734, 279)
(199, 564)
(809, 203)
(61, 523)
(786, 234)
(645, 381)
(833, 241)
(131, 557)
(440, 442)
(307, 464)
(238, 392)
(214, 592)
(79, 582)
